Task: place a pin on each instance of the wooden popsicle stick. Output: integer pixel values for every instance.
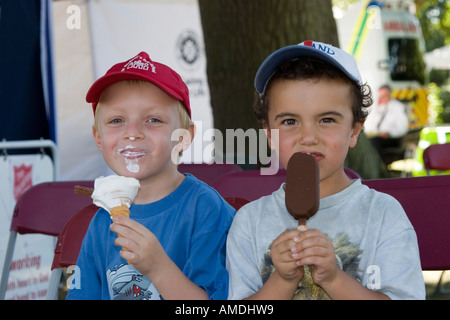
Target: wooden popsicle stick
(301, 225)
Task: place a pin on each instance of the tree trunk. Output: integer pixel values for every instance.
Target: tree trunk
(239, 35)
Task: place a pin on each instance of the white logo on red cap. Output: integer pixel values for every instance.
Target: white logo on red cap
(320, 46)
(140, 63)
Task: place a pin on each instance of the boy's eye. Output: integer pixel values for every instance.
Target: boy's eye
(115, 121)
(327, 120)
(289, 122)
(154, 120)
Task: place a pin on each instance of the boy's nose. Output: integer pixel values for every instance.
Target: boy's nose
(308, 136)
(133, 132)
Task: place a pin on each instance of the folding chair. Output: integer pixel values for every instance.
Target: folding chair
(426, 202)
(249, 185)
(352, 174)
(208, 173)
(68, 245)
(44, 208)
(437, 157)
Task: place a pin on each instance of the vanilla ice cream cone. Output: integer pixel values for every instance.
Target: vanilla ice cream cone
(115, 194)
(114, 191)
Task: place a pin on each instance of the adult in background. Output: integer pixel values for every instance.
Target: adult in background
(386, 124)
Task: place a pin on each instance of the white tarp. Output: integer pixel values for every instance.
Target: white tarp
(80, 159)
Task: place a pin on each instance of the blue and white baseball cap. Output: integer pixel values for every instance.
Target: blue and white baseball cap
(333, 55)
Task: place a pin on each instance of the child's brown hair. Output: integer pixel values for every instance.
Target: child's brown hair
(311, 68)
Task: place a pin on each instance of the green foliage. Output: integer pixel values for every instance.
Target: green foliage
(434, 16)
(342, 4)
(439, 108)
(445, 98)
(435, 107)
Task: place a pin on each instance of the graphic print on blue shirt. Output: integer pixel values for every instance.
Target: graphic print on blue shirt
(126, 283)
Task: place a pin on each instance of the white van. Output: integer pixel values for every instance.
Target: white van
(387, 42)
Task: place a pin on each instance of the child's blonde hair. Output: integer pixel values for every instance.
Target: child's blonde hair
(185, 120)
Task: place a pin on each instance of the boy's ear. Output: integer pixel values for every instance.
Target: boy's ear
(97, 139)
(356, 131)
(184, 137)
(192, 130)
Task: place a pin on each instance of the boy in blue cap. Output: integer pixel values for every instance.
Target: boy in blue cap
(360, 244)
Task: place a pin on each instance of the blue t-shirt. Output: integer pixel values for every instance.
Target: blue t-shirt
(191, 224)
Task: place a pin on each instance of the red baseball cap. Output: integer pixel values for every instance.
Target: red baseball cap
(141, 67)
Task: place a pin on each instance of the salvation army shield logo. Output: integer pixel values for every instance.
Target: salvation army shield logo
(22, 179)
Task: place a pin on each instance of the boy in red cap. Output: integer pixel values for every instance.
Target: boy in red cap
(360, 243)
(175, 236)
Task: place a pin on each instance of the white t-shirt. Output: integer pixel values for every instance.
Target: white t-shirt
(374, 243)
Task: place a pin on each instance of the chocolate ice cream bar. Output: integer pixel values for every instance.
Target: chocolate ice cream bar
(302, 193)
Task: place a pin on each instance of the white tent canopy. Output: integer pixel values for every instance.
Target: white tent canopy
(438, 58)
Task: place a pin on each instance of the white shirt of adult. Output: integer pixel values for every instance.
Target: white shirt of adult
(388, 117)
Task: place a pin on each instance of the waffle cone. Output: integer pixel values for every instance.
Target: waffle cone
(120, 211)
